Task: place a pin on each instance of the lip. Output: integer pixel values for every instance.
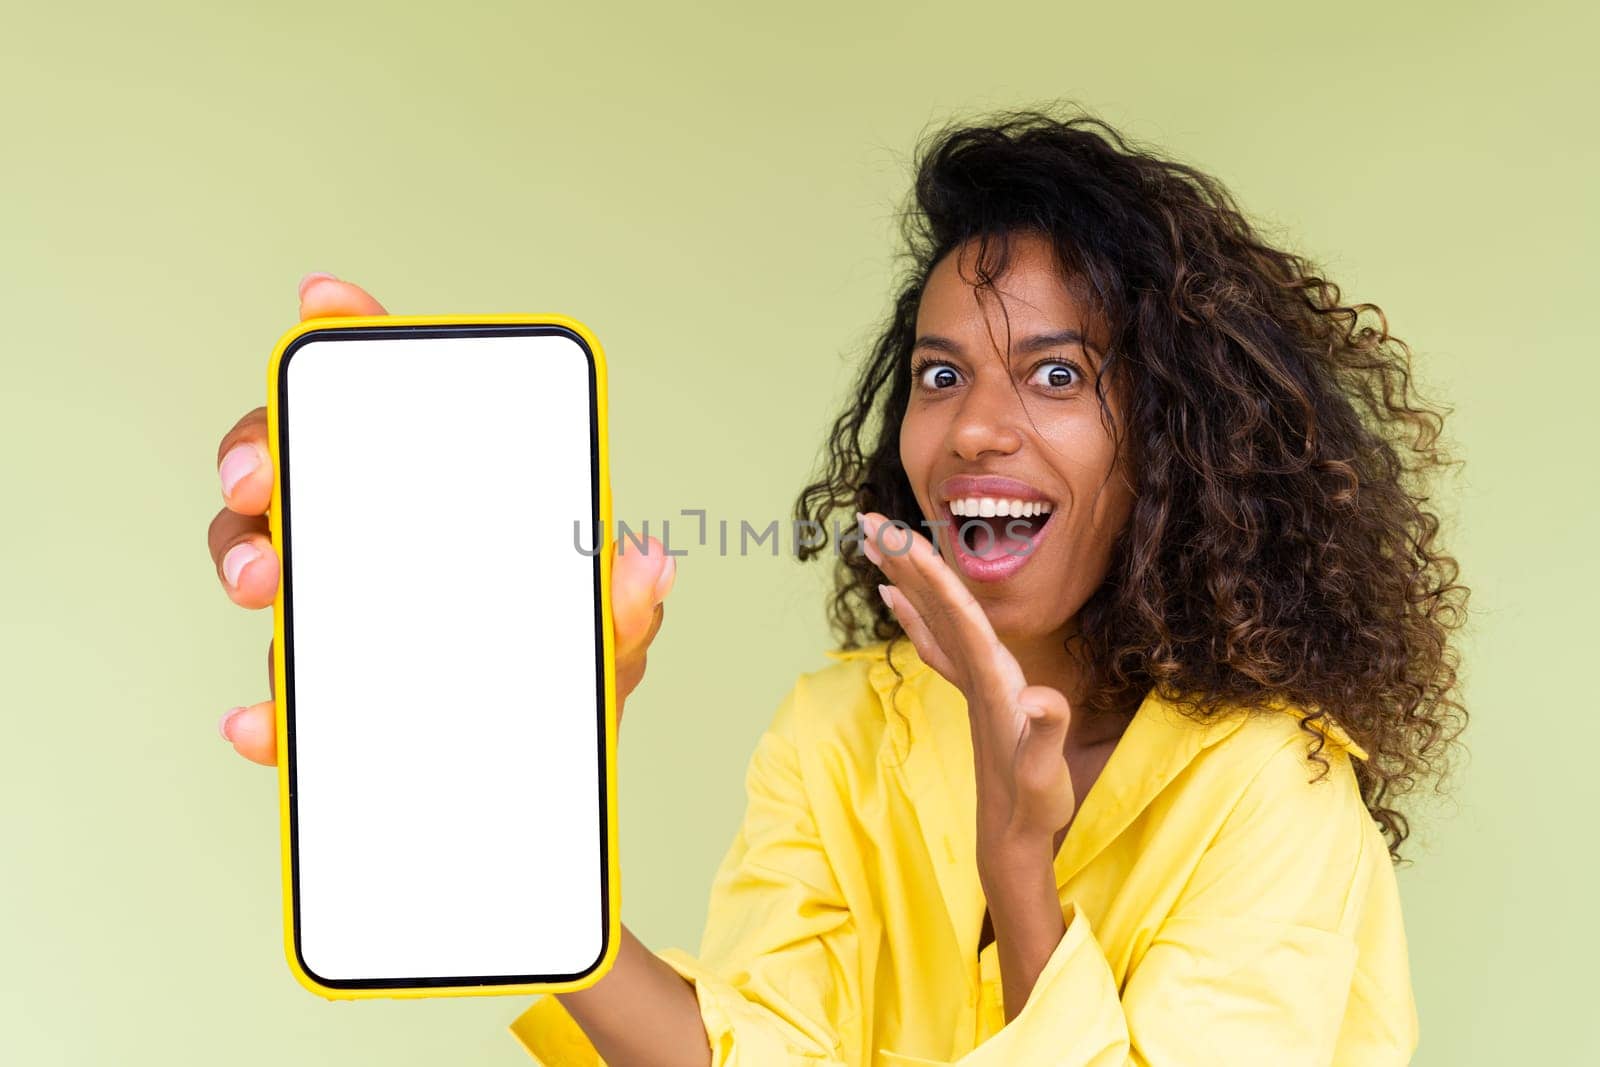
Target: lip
(960, 486)
(1003, 566)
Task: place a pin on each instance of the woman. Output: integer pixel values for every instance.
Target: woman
(1146, 634)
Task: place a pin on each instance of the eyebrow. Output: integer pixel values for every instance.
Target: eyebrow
(1038, 342)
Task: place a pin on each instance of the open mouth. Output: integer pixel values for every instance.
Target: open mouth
(993, 528)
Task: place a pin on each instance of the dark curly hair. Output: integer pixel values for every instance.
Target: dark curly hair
(1279, 547)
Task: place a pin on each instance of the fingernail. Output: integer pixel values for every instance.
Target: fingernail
(222, 726)
(883, 591)
(241, 459)
(867, 547)
(871, 550)
(309, 278)
(239, 556)
(664, 583)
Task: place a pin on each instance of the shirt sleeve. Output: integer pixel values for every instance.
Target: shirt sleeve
(777, 976)
(1253, 966)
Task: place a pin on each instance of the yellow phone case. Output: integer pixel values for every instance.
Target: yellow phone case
(613, 901)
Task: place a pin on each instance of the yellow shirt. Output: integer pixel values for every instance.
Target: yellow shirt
(1220, 907)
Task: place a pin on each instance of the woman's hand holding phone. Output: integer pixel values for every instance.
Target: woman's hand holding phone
(241, 549)
(641, 1011)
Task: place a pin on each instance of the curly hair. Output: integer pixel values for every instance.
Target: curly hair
(1279, 548)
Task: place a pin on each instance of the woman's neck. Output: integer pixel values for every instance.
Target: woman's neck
(1044, 660)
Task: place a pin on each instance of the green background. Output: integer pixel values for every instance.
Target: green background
(711, 189)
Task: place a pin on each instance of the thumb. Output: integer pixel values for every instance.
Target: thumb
(1040, 756)
(640, 581)
(324, 296)
(1047, 710)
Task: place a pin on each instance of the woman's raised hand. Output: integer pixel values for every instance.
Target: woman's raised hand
(1019, 731)
(240, 542)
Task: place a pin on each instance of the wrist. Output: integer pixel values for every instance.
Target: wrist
(1012, 859)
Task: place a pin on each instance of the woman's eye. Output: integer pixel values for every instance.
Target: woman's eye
(937, 375)
(1056, 375)
(1052, 374)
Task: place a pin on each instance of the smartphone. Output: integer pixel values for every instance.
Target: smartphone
(443, 655)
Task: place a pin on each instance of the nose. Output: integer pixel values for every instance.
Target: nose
(986, 421)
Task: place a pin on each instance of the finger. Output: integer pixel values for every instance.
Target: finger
(640, 581)
(657, 615)
(922, 638)
(323, 295)
(943, 602)
(245, 561)
(1047, 709)
(1040, 759)
(631, 664)
(253, 732)
(244, 466)
(888, 547)
(630, 672)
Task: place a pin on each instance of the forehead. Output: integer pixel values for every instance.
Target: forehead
(1033, 291)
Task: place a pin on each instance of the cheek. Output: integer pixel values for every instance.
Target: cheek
(1111, 508)
(1099, 504)
(918, 438)
(1083, 547)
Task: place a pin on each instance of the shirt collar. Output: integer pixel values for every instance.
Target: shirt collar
(929, 745)
(901, 663)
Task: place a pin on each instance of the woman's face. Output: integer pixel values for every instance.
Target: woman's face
(987, 446)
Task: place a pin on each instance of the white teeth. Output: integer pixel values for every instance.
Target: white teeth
(988, 507)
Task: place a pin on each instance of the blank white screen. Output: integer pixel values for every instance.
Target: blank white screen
(447, 738)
